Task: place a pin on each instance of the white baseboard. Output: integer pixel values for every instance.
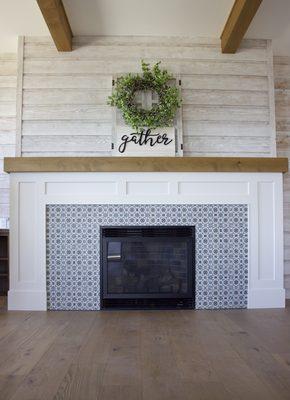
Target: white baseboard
(266, 298)
(36, 300)
(27, 300)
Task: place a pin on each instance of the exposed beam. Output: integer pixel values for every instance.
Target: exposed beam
(56, 19)
(241, 15)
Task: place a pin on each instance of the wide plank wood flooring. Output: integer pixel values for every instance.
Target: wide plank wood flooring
(152, 355)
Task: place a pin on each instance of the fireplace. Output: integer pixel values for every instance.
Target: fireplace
(237, 217)
(147, 267)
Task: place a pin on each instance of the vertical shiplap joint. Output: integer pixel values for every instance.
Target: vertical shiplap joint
(271, 94)
(178, 124)
(19, 96)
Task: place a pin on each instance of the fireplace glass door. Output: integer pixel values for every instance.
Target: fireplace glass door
(147, 263)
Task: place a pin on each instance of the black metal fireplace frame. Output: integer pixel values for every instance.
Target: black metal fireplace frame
(186, 298)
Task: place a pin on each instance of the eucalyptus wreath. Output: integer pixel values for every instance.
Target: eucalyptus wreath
(156, 79)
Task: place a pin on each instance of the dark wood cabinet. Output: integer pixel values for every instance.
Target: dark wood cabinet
(4, 261)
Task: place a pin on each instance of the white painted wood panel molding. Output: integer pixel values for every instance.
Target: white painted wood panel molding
(31, 192)
(282, 102)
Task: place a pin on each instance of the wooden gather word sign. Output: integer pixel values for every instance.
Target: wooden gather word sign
(143, 138)
(151, 142)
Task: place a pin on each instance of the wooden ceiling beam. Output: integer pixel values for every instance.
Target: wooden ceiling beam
(239, 20)
(56, 19)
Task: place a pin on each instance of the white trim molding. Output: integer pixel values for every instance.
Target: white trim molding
(31, 192)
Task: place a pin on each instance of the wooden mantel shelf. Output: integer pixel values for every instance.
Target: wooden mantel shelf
(145, 164)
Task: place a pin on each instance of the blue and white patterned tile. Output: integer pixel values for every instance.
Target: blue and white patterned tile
(73, 250)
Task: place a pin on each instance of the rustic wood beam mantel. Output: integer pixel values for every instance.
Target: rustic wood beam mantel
(241, 15)
(145, 164)
(56, 19)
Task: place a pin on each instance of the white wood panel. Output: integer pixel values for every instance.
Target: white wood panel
(67, 143)
(67, 112)
(225, 113)
(189, 96)
(226, 128)
(7, 81)
(7, 150)
(7, 94)
(8, 57)
(4, 197)
(215, 145)
(4, 181)
(19, 95)
(27, 231)
(66, 128)
(152, 41)
(7, 137)
(146, 52)
(147, 188)
(283, 83)
(221, 82)
(30, 197)
(7, 109)
(66, 94)
(59, 66)
(176, 66)
(93, 81)
(64, 153)
(282, 107)
(4, 209)
(8, 68)
(189, 188)
(7, 124)
(266, 200)
(146, 40)
(225, 97)
(105, 187)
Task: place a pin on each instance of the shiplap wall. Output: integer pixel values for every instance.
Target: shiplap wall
(228, 103)
(8, 69)
(282, 100)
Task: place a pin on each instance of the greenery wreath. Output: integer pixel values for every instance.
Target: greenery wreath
(156, 79)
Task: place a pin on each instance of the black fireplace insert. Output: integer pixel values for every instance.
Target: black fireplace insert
(147, 267)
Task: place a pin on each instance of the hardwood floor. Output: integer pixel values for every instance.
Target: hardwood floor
(152, 355)
(3, 303)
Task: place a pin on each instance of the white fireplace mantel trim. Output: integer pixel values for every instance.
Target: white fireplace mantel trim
(31, 192)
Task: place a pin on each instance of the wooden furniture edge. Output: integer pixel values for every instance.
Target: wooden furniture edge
(145, 164)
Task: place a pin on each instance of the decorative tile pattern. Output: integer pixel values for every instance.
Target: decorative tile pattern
(73, 250)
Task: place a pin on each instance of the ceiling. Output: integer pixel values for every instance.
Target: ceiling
(153, 17)
(198, 18)
(272, 21)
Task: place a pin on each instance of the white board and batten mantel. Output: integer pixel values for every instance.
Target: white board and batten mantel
(31, 192)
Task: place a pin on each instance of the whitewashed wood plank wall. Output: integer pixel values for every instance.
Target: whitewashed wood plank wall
(282, 102)
(8, 70)
(227, 100)
(227, 105)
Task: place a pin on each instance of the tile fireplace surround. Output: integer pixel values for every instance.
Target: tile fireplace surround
(248, 203)
(73, 250)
